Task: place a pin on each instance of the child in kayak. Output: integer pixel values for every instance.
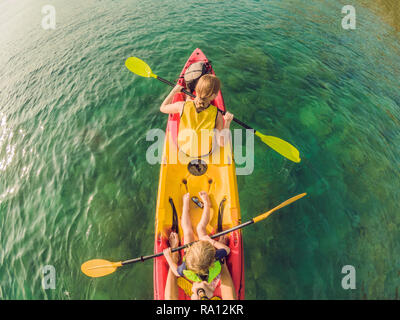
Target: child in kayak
(204, 259)
(198, 115)
(171, 287)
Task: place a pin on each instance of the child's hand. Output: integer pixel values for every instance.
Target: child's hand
(167, 253)
(171, 261)
(208, 289)
(207, 238)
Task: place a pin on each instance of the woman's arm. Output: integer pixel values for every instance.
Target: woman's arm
(223, 134)
(167, 106)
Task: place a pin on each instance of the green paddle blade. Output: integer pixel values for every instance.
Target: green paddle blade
(139, 67)
(280, 146)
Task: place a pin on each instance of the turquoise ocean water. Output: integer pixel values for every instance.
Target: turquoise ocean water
(75, 184)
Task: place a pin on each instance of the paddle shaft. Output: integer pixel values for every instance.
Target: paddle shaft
(254, 220)
(193, 96)
(144, 258)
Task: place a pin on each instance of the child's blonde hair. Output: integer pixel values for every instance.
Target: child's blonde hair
(200, 256)
(206, 87)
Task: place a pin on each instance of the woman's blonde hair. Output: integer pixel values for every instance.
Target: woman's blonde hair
(200, 256)
(206, 87)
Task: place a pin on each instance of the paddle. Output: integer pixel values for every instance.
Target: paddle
(99, 267)
(284, 148)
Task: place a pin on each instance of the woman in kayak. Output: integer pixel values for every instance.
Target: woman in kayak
(198, 115)
(205, 258)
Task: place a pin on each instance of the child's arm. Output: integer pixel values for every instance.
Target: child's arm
(216, 244)
(172, 264)
(167, 106)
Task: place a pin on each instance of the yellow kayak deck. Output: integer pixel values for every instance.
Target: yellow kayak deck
(219, 181)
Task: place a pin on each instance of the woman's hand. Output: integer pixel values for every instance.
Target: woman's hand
(167, 106)
(177, 88)
(228, 117)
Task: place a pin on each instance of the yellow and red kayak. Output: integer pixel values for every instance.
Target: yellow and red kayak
(179, 175)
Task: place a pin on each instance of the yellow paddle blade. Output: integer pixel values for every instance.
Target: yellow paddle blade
(98, 267)
(283, 204)
(281, 146)
(139, 67)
